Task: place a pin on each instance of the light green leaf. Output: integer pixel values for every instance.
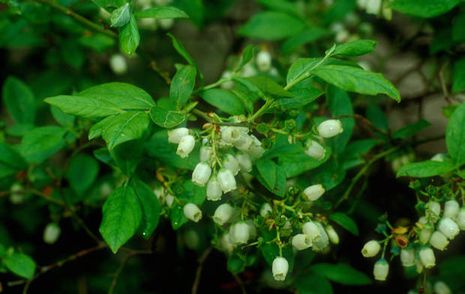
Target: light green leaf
(41, 143)
(181, 50)
(247, 55)
(122, 216)
(302, 96)
(84, 106)
(129, 37)
(161, 12)
(120, 16)
(82, 172)
(167, 118)
(357, 80)
(455, 135)
(341, 273)
(150, 205)
(424, 8)
(20, 264)
(345, 221)
(19, 101)
(458, 76)
(120, 128)
(355, 48)
(425, 169)
(301, 67)
(224, 100)
(269, 86)
(271, 25)
(183, 84)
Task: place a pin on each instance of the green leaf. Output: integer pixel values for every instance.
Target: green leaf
(424, 8)
(410, 130)
(341, 273)
(425, 169)
(109, 3)
(122, 216)
(301, 67)
(357, 80)
(177, 216)
(103, 100)
(41, 143)
(272, 176)
(120, 16)
(345, 221)
(182, 51)
(355, 48)
(458, 28)
(167, 118)
(183, 84)
(270, 87)
(313, 283)
(455, 135)
(20, 264)
(341, 107)
(82, 172)
(235, 264)
(161, 12)
(150, 205)
(271, 25)
(10, 161)
(247, 55)
(309, 35)
(458, 76)
(302, 96)
(64, 119)
(224, 100)
(128, 156)
(129, 37)
(120, 128)
(19, 101)
(280, 5)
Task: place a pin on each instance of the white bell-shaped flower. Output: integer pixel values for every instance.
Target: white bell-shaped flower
(185, 146)
(263, 60)
(223, 214)
(245, 162)
(315, 150)
(280, 267)
(439, 241)
(407, 257)
(332, 234)
(226, 180)
(451, 209)
(371, 248)
(51, 233)
(192, 212)
(175, 135)
(265, 209)
(301, 241)
(232, 164)
(205, 153)
(330, 128)
(427, 257)
(214, 190)
(314, 192)
(381, 270)
(239, 233)
(201, 173)
(448, 227)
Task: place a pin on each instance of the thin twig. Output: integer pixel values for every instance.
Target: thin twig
(198, 273)
(121, 267)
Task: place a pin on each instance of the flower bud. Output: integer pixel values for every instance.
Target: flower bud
(321, 243)
(239, 233)
(332, 234)
(265, 209)
(315, 150)
(373, 6)
(280, 267)
(230, 134)
(166, 23)
(314, 192)
(192, 212)
(175, 135)
(301, 241)
(425, 235)
(433, 210)
(451, 209)
(439, 241)
(263, 60)
(205, 153)
(118, 64)
(169, 200)
(232, 164)
(227, 181)
(245, 163)
(381, 270)
(448, 227)
(201, 173)
(225, 243)
(371, 248)
(186, 145)
(214, 190)
(441, 288)
(330, 128)
(427, 257)
(461, 219)
(407, 257)
(223, 214)
(51, 233)
(439, 157)
(311, 229)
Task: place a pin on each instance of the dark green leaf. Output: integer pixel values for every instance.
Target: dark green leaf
(183, 84)
(355, 48)
(341, 107)
(410, 130)
(270, 87)
(177, 216)
(129, 37)
(458, 76)
(313, 283)
(280, 5)
(236, 264)
(181, 50)
(224, 100)
(345, 221)
(84, 106)
(161, 12)
(424, 8)
(10, 161)
(301, 67)
(19, 100)
(458, 28)
(309, 35)
(20, 264)
(425, 169)
(455, 135)
(150, 205)
(41, 143)
(271, 25)
(302, 97)
(82, 172)
(272, 176)
(122, 216)
(167, 118)
(357, 80)
(341, 273)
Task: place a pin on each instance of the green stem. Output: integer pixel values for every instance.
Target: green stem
(261, 111)
(79, 18)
